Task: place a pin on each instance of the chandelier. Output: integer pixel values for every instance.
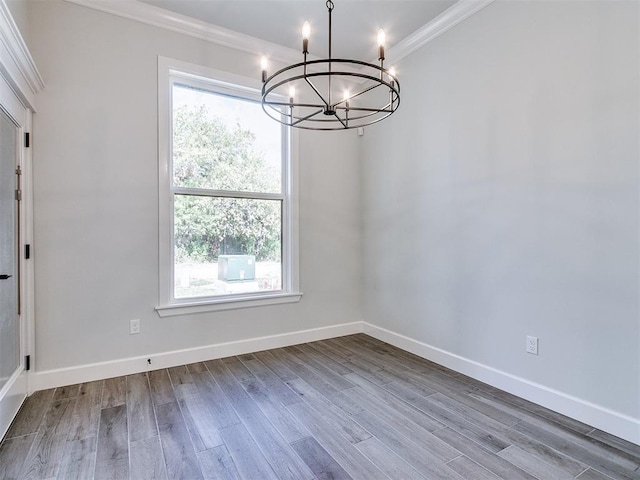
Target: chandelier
(331, 93)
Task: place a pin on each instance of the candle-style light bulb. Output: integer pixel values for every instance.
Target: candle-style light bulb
(392, 75)
(345, 98)
(381, 40)
(306, 30)
(292, 93)
(306, 33)
(264, 64)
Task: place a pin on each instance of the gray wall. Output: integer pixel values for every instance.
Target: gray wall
(96, 199)
(502, 198)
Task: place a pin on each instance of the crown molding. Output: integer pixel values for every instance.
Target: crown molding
(16, 63)
(457, 13)
(159, 17)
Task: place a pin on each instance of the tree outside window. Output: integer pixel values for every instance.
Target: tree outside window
(227, 195)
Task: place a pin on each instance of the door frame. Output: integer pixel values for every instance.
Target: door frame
(20, 82)
(16, 388)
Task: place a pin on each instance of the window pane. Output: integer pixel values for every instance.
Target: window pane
(226, 245)
(224, 143)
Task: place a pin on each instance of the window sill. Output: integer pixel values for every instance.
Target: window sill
(245, 301)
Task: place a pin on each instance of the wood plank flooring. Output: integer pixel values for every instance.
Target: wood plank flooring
(346, 408)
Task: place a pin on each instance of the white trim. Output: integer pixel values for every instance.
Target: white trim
(164, 179)
(291, 225)
(27, 265)
(15, 390)
(170, 71)
(209, 192)
(457, 13)
(159, 17)
(12, 395)
(598, 416)
(128, 366)
(11, 103)
(215, 305)
(16, 62)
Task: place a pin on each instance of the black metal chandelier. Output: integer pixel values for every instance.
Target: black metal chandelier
(330, 94)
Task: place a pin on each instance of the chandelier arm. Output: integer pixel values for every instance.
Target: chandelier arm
(340, 120)
(360, 116)
(395, 89)
(364, 109)
(387, 108)
(362, 92)
(340, 127)
(288, 104)
(267, 91)
(302, 119)
(306, 79)
(371, 112)
(273, 105)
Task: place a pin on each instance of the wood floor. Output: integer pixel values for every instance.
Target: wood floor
(351, 407)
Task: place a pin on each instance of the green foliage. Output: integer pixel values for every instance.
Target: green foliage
(208, 154)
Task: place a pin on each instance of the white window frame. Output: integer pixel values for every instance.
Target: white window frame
(174, 71)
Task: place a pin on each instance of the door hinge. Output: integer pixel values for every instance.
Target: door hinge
(27, 139)
(19, 195)
(27, 362)
(27, 251)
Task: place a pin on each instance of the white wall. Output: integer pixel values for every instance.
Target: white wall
(96, 199)
(502, 198)
(19, 13)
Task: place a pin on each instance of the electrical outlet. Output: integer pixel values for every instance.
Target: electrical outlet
(532, 345)
(134, 326)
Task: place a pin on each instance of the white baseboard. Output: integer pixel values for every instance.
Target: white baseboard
(598, 416)
(127, 366)
(610, 421)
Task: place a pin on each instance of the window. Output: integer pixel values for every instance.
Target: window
(227, 197)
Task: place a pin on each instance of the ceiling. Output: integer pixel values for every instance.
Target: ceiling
(355, 23)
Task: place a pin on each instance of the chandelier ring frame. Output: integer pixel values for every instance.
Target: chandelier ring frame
(277, 109)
